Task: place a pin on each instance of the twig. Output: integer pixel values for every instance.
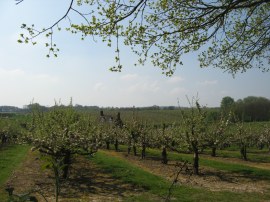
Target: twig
(181, 168)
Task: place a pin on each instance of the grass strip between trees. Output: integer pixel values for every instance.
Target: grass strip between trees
(260, 156)
(255, 173)
(158, 187)
(11, 156)
(251, 172)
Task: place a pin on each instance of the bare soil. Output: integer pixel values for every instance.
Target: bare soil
(88, 183)
(212, 179)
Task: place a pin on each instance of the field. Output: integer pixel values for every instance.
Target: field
(115, 176)
(110, 175)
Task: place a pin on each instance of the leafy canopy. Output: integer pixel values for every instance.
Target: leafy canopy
(233, 35)
(62, 130)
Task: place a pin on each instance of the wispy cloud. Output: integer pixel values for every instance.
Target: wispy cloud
(208, 82)
(129, 77)
(177, 91)
(18, 75)
(99, 86)
(175, 79)
(144, 87)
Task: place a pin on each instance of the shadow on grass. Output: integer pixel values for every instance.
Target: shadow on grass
(237, 169)
(85, 180)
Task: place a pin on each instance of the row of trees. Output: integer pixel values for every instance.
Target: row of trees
(248, 109)
(62, 132)
(195, 133)
(59, 134)
(9, 130)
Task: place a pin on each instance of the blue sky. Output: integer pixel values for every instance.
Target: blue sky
(81, 70)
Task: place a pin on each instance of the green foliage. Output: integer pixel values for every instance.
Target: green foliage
(216, 135)
(60, 133)
(265, 135)
(226, 104)
(234, 33)
(253, 108)
(10, 129)
(62, 129)
(193, 130)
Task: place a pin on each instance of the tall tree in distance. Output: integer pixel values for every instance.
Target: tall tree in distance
(253, 108)
(226, 104)
(231, 35)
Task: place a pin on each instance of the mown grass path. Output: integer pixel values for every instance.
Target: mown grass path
(114, 176)
(250, 169)
(86, 182)
(11, 157)
(126, 170)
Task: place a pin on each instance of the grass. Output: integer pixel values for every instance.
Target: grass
(10, 158)
(251, 172)
(157, 187)
(254, 155)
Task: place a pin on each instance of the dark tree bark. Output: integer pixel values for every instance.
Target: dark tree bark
(213, 153)
(143, 151)
(107, 145)
(196, 162)
(164, 156)
(129, 146)
(134, 150)
(66, 162)
(116, 145)
(243, 152)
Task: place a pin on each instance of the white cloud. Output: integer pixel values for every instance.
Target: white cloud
(177, 91)
(20, 76)
(129, 77)
(175, 79)
(208, 82)
(224, 92)
(99, 86)
(144, 87)
(20, 87)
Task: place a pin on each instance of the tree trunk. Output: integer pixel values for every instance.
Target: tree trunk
(196, 162)
(143, 151)
(164, 156)
(129, 146)
(213, 153)
(107, 145)
(244, 152)
(134, 150)
(66, 162)
(116, 145)
(260, 146)
(56, 168)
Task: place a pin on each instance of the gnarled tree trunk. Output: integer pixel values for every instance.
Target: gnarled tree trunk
(164, 156)
(196, 162)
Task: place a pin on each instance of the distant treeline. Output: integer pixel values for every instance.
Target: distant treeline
(248, 109)
(28, 108)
